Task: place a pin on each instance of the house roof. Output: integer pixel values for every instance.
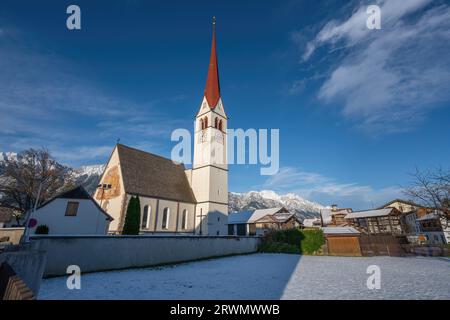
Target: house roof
(283, 217)
(308, 222)
(252, 216)
(76, 193)
(341, 211)
(370, 213)
(212, 88)
(411, 203)
(150, 175)
(340, 230)
(6, 214)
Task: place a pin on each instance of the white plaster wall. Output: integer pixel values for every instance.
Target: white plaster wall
(97, 253)
(172, 205)
(152, 203)
(88, 221)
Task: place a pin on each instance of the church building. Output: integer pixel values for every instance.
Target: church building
(175, 199)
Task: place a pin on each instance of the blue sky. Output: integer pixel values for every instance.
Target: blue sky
(357, 109)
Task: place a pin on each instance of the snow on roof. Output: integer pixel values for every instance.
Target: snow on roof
(310, 222)
(369, 213)
(340, 230)
(251, 216)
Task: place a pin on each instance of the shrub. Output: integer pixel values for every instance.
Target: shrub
(132, 217)
(312, 240)
(41, 229)
(293, 241)
(279, 247)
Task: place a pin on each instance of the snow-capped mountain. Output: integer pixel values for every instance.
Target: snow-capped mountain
(269, 199)
(7, 156)
(88, 176)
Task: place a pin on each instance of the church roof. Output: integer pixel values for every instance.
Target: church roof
(150, 175)
(212, 89)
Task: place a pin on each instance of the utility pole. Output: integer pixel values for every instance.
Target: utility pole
(26, 236)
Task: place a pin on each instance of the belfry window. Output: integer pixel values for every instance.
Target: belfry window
(205, 122)
(216, 123)
(165, 218)
(220, 125)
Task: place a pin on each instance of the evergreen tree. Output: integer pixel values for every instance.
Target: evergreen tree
(132, 217)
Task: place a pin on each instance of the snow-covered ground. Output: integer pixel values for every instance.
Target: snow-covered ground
(266, 276)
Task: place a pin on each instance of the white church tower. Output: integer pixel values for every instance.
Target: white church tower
(209, 178)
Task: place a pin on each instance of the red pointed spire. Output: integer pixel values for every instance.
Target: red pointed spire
(212, 89)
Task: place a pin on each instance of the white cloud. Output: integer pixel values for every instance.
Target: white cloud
(327, 190)
(388, 79)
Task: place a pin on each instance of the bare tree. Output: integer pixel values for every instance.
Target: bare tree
(22, 177)
(431, 188)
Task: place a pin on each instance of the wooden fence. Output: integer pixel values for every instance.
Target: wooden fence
(381, 245)
(12, 286)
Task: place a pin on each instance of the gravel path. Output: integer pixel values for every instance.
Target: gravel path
(266, 276)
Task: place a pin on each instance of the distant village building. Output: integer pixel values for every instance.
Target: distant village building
(378, 221)
(259, 222)
(421, 224)
(312, 223)
(403, 206)
(175, 199)
(335, 216)
(434, 228)
(73, 212)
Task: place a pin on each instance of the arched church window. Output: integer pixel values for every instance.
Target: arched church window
(205, 121)
(202, 125)
(165, 218)
(220, 125)
(146, 217)
(184, 219)
(216, 123)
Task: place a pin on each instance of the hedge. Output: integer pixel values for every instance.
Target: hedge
(293, 241)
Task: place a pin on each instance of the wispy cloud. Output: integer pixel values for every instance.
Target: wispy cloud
(327, 190)
(389, 76)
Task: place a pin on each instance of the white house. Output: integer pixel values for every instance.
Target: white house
(73, 212)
